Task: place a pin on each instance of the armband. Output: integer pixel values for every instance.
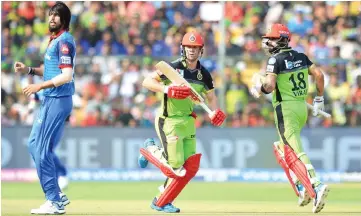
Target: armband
(31, 71)
(264, 90)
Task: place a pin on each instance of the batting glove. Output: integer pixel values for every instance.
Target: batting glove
(318, 104)
(256, 85)
(177, 92)
(217, 117)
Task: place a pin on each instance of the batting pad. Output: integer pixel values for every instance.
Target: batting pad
(283, 164)
(164, 167)
(299, 169)
(177, 185)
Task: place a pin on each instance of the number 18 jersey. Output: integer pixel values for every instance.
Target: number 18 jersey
(291, 69)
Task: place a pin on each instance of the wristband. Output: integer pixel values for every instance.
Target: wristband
(319, 98)
(264, 90)
(31, 71)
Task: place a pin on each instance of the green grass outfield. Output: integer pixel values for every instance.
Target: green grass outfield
(199, 198)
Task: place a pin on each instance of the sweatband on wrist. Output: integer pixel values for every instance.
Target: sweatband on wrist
(264, 90)
(31, 71)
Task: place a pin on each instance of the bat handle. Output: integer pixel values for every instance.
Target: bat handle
(323, 113)
(206, 108)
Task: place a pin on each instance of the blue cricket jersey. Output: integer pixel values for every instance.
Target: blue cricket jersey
(61, 53)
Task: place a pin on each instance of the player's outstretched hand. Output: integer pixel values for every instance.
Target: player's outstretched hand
(177, 92)
(20, 67)
(318, 104)
(217, 117)
(31, 89)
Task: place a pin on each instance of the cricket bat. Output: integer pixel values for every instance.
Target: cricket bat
(177, 79)
(323, 113)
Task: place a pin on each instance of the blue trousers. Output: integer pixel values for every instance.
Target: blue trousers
(59, 166)
(45, 134)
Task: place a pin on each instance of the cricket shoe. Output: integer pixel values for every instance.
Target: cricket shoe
(321, 195)
(49, 208)
(303, 197)
(142, 161)
(168, 208)
(64, 199)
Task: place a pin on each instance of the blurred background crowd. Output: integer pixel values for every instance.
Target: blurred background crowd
(119, 42)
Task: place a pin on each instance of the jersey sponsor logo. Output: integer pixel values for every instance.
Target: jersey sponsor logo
(291, 64)
(270, 68)
(272, 60)
(65, 60)
(64, 49)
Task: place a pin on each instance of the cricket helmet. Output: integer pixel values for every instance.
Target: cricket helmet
(192, 39)
(277, 38)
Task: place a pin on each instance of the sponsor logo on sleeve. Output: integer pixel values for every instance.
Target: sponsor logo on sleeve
(65, 60)
(65, 49)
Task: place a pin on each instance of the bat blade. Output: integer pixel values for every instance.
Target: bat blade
(177, 79)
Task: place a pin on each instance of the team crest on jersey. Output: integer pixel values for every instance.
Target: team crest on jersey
(64, 49)
(181, 72)
(199, 75)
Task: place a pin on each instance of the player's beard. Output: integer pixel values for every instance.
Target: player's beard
(55, 28)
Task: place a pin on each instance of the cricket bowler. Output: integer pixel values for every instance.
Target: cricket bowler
(58, 88)
(287, 74)
(175, 122)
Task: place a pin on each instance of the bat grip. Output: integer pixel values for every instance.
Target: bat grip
(323, 113)
(206, 108)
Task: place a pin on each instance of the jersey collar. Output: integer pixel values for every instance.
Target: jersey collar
(286, 49)
(184, 64)
(57, 35)
(52, 37)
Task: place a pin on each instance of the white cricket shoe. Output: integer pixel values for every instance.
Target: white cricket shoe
(64, 199)
(49, 208)
(303, 198)
(63, 182)
(321, 195)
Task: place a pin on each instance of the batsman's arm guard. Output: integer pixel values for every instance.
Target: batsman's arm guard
(176, 186)
(155, 156)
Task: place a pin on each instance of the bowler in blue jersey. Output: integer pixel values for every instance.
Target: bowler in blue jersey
(58, 88)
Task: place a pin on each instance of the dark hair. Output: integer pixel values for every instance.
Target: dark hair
(63, 11)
